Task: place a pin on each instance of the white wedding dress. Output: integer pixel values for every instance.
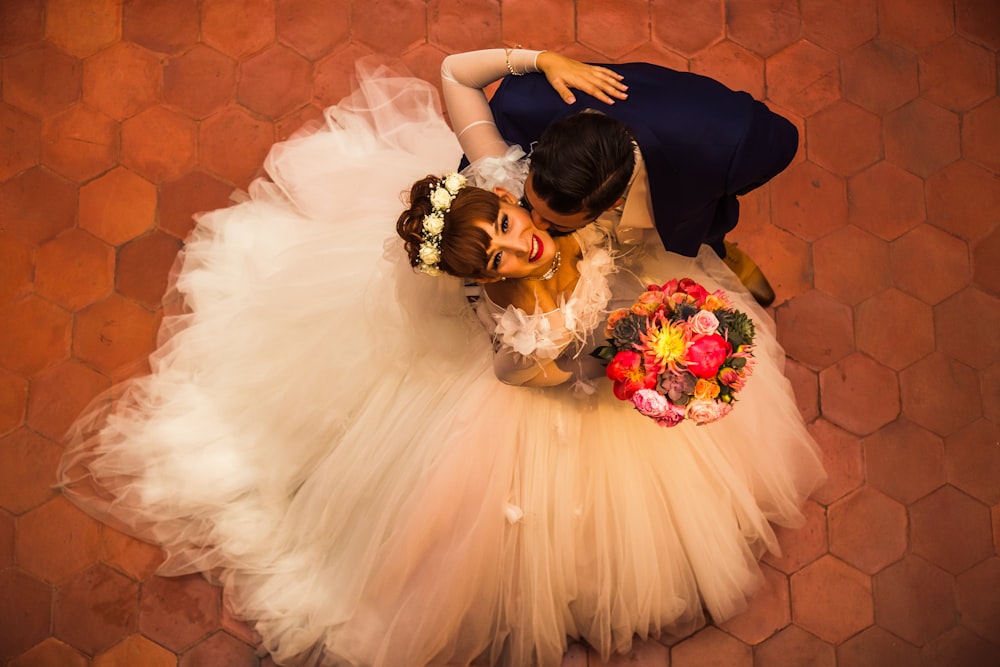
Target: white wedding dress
(323, 433)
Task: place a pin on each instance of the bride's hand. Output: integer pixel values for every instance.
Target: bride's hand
(564, 73)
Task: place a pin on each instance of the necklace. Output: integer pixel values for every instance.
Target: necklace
(552, 269)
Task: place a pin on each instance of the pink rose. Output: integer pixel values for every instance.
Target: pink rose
(674, 417)
(654, 405)
(650, 402)
(704, 323)
(706, 354)
(705, 412)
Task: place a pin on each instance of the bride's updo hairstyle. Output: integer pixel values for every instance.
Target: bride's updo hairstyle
(463, 246)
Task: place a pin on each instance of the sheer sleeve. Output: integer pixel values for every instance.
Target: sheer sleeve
(523, 342)
(463, 77)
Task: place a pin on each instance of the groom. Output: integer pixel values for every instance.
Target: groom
(700, 146)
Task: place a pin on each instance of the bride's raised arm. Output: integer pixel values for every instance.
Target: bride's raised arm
(465, 75)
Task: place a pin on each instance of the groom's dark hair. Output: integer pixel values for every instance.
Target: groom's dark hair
(583, 163)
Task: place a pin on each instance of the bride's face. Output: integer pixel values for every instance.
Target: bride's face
(517, 249)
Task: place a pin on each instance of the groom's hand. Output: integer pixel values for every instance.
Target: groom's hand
(564, 73)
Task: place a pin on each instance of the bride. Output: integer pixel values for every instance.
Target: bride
(324, 434)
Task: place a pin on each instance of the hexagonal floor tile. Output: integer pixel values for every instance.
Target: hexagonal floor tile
(75, 269)
(960, 198)
(118, 206)
(973, 460)
(939, 64)
(82, 29)
(80, 143)
(38, 205)
(940, 394)
(809, 201)
(233, 144)
(165, 26)
(916, 28)
(977, 600)
(981, 135)
(314, 29)
(41, 80)
(794, 647)
(929, 263)
(710, 645)
(904, 461)
(136, 650)
(839, 27)
(123, 79)
(974, 346)
(159, 144)
(867, 530)
(57, 540)
(96, 609)
(238, 29)
(26, 607)
(113, 333)
(851, 264)
(200, 81)
(803, 78)
(922, 137)
(59, 394)
(143, 267)
(844, 138)
(895, 328)
(19, 142)
(219, 650)
(959, 646)
(951, 530)
(612, 31)
(816, 329)
(769, 610)
(859, 394)
(915, 600)
(275, 81)
(27, 470)
(831, 599)
(842, 460)
(161, 599)
(49, 340)
(885, 200)
(50, 652)
(880, 76)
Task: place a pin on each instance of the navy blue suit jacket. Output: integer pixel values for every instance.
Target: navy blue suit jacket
(703, 143)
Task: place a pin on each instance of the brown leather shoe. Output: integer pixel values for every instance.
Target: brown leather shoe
(749, 274)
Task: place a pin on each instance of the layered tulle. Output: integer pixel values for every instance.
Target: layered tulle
(322, 432)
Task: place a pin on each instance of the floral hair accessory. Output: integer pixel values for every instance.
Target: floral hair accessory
(441, 198)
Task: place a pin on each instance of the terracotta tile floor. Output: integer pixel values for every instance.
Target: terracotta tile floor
(120, 119)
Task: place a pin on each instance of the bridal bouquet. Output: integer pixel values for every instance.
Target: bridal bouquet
(679, 352)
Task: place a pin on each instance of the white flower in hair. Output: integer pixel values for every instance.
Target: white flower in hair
(433, 224)
(441, 199)
(453, 183)
(429, 254)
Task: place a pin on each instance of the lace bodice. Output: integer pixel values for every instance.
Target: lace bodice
(521, 339)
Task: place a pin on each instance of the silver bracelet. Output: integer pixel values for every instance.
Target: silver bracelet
(510, 69)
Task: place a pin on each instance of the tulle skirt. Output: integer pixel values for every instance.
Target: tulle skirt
(323, 434)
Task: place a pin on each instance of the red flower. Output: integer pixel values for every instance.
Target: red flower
(706, 355)
(693, 290)
(629, 375)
